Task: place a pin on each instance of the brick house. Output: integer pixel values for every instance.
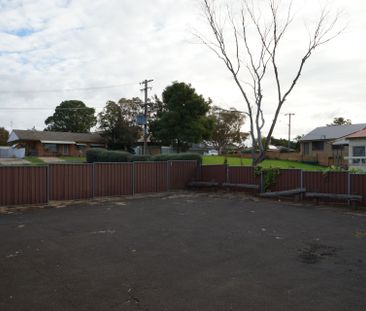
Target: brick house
(327, 145)
(45, 143)
(357, 150)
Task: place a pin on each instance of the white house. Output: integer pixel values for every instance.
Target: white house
(357, 150)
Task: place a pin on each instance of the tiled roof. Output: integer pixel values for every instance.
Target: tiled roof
(333, 132)
(359, 134)
(58, 136)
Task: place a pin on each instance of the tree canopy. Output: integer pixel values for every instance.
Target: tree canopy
(283, 142)
(4, 135)
(117, 122)
(247, 37)
(227, 128)
(182, 118)
(340, 121)
(72, 116)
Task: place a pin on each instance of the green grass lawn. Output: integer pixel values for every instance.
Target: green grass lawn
(34, 160)
(38, 161)
(234, 161)
(74, 159)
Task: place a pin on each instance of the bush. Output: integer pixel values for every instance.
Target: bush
(178, 156)
(94, 154)
(117, 156)
(102, 155)
(140, 158)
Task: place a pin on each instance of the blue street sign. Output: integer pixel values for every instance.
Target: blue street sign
(140, 119)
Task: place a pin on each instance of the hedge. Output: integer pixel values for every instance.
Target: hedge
(140, 158)
(102, 155)
(178, 156)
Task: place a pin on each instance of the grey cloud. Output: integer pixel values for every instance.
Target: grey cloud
(95, 43)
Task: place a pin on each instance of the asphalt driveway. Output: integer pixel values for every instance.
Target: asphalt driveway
(183, 252)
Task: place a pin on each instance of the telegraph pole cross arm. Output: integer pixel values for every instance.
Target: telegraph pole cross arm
(145, 89)
(289, 128)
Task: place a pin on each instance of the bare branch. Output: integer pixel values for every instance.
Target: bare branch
(258, 62)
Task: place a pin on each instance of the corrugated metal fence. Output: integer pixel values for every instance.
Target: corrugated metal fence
(358, 186)
(112, 179)
(70, 181)
(40, 184)
(288, 179)
(23, 185)
(243, 175)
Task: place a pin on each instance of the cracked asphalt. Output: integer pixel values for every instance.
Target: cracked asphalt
(185, 251)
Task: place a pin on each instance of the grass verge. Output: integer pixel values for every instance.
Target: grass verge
(235, 161)
(74, 159)
(34, 160)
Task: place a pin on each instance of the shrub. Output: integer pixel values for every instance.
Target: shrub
(140, 158)
(117, 156)
(94, 154)
(178, 156)
(102, 155)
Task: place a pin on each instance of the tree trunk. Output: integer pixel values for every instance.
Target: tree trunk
(261, 157)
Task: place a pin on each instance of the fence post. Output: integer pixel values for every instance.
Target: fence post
(48, 183)
(199, 171)
(349, 186)
(156, 176)
(261, 182)
(93, 181)
(133, 178)
(168, 163)
(227, 173)
(301, 184)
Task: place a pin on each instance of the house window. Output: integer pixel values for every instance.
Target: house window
(317, 146)
(50, 147)
(306, 148)
(359, 151)
(80, 147)
(66, 149)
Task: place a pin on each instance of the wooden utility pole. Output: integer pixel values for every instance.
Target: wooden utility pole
(145, 89)
(289, 128)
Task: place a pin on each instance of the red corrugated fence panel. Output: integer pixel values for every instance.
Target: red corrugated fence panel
(23, 185)
(287, 179)
(161, 176)
(358, 186)
(150, 177)
(213, 173)
(329, 182)
(243, 175)
(113, 179)
(71, 181)
(181, 173)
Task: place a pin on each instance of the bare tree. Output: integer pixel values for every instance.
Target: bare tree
(257, 61)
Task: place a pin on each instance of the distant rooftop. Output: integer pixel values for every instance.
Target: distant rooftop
(17, 135)
(359, 134)
(333, 132)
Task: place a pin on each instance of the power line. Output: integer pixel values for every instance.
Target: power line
(146, 88)
(91, 88)
(46, 108)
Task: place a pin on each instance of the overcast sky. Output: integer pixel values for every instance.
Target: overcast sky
(49, 48)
